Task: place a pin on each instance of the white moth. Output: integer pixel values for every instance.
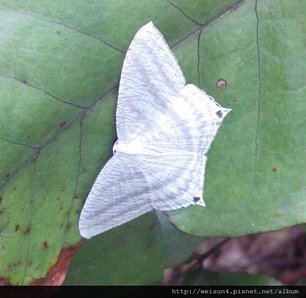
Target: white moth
(164, 129)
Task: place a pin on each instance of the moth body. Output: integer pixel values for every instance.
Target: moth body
(165, 128)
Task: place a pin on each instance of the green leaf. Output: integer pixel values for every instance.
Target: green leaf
(59, 66)
(120, 256)
(177, 246)
(60, 63)
(211, 278)
(256, 170)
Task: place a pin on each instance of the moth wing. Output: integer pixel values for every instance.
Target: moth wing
(122, 190)
(189, 124)
(119, 194)
(150, 78)
(154, 105)
(176, 180)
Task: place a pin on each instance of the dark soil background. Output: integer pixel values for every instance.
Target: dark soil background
(280, 254)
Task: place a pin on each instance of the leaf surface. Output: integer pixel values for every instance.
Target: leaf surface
(60, 64)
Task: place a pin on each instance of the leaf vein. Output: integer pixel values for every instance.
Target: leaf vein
(45, 91)
(67, 26)
(183, 13)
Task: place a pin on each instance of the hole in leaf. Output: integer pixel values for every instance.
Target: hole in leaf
(221, 83)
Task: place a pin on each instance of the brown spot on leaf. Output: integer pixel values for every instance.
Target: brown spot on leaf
(4, 282)
(27, 231)
(63, 188)
(7, 175)
(58, 32)
(57, 273)
(45, 245)
(221, 83)
(274, 169)
(63, 124)
(278, 214)
(24, 81)
(17, 227)
(1, 199)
